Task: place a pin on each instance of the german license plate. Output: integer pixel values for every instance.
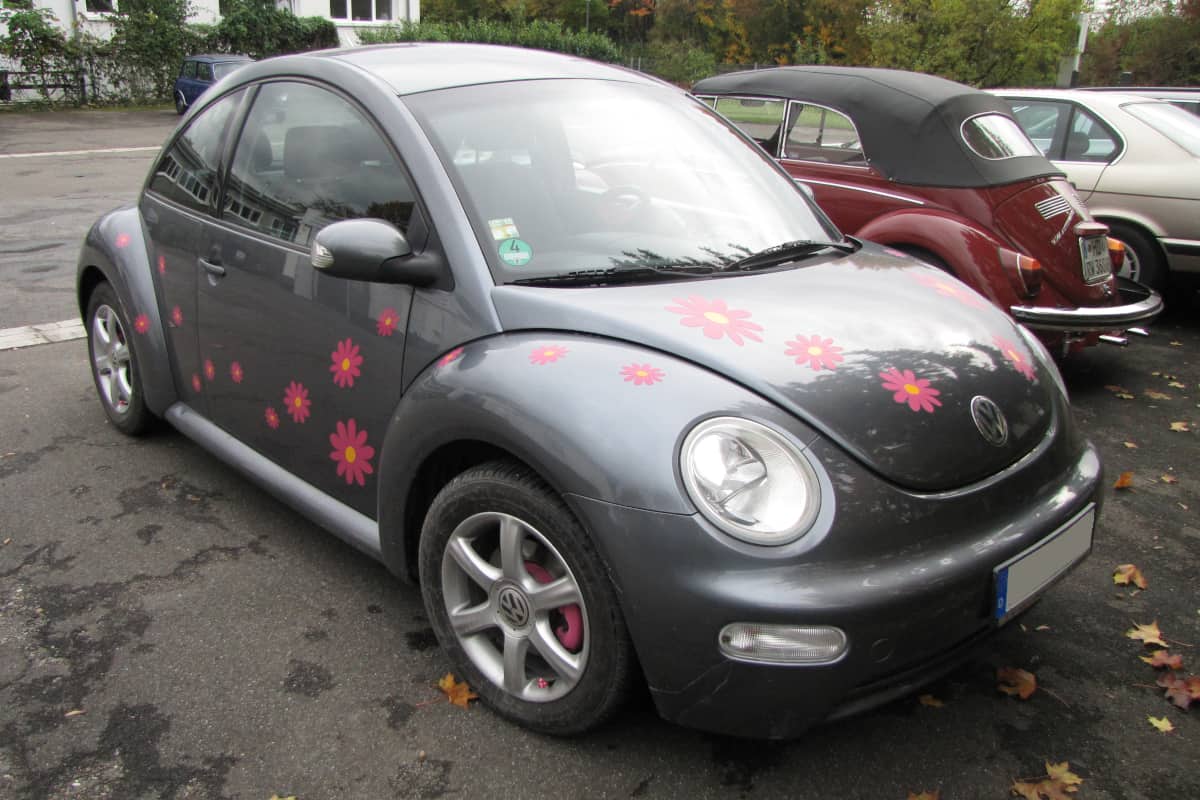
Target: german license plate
(1021, 579)
(1097, 266)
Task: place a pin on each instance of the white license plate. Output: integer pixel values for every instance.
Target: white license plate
(1097, 266)
(1022, 578)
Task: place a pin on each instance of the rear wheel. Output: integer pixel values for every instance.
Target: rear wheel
(114, 363)
(1143, 260)
(521, 602)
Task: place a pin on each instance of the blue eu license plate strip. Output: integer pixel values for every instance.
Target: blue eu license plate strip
(1022, 578)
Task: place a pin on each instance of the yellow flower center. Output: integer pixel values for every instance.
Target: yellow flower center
(548, 353)
(345, 365)
(350, 455)
(298, 401)
(1015, 356)
(713, 316)
(815, 351)
(641, 373)
(387, 321)
(912, 388)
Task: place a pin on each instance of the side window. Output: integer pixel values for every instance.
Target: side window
(1041, 121)
(307, 158)
(204, 71)
(189, 69)
(187, 173)
(816, 133)
(1089, 140)
(761, 120)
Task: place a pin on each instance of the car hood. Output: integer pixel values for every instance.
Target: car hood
(901, 352)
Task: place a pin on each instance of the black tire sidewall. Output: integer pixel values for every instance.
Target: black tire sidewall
(510, 489)
(137, 418)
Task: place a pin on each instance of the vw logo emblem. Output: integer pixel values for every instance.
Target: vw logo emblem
(990, 421)
(514, 608)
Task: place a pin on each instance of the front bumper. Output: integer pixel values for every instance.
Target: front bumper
(908, 577)
(1139, 306)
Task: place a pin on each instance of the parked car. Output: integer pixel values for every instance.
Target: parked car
(197, 73)
(553, 339)
(1136, 163)
(1181, 96)
(942, 172)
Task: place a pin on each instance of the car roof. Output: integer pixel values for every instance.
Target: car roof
(217, 57)
(909, 122)
(1096, 99)
(426, 66)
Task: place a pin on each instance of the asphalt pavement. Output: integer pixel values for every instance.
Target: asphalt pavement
(168, 631)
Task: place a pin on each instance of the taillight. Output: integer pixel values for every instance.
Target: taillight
(1116, 254)
(1024, 272)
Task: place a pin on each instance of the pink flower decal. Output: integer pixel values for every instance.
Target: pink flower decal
(351, 452)
(295, 400)
(162, 265)
(272, 417)
(210, 369)
(450, 357)
(236, 373)
(716, 319)
(642, 374)
(908, 388)
(177, 316)
(346, 361)
(1017, 356)
(387, 322)
(142, 323)
(817, 352)
(196, 384)
(947, 286)
(123, 240)
(547, 354)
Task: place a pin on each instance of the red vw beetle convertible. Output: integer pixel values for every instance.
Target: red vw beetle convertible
(943, 172)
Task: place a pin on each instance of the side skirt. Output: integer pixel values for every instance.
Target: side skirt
(339, 519)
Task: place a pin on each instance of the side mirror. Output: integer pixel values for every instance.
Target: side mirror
(371, 250)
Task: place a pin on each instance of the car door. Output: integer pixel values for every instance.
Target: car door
(180, 197)
(304, 367)
(1074, 138)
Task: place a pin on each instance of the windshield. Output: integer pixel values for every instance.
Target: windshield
(1174, 123)
(567, 176)
(995, 136)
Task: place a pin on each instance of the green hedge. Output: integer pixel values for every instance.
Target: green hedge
(538, 35)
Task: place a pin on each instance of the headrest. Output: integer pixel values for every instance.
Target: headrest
(317, 152)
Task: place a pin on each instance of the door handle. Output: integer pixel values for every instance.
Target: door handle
(212, 268)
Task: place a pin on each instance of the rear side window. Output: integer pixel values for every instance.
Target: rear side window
(187, 173)
(1177, 125)
(307, 158)
(996, 137)
(816, 133)
(761, 120)
(204, 71)
(1088, 139)
(189, 69)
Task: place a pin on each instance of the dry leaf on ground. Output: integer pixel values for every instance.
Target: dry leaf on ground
(1059, 784)
(1156, 395)
(458, 693)
(1181, 691)
(934, 795)
(1124, 481)
(1161, 723)
(1160, 659)
(1016, 681)
(1180, 427)
(1130, 445)
(1127, 574)
(1166, 478)
(1146, 634)
(930, 700)
(1177, 385)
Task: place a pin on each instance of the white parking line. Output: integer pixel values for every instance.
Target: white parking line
(42, 333)
(49, 153)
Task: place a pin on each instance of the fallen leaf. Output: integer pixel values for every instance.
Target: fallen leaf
(1131, 445)
(1180, 427)
(1168, 479)
(1115, 389)
(930, 700)
(1174, 343)
(1059, 784)
(1161, 723)
(1161, 658)
(1156, 395)
(1124, 480)
(1180, 691)
(282, 797)
(74, 712)
(1042, 628)
(1146, 634)
(421, 756)
(1176, 385)
(1127, 574)
(934, 795)
(1123, 395)
(1016, 681)
(458, 693)
(8, 541)
(1062, 774)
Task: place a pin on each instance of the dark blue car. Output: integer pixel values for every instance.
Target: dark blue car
(200, 72)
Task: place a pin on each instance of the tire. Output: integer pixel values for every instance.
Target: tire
(114, 363)
(1143, 259)
(180, 103)
(552, 669)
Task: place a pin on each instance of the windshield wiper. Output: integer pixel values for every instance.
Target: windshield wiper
(614, 275)
(788, 251)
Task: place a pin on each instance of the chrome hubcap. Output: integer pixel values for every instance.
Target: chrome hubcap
(1131, 269)
(112, 360)
(503, 617)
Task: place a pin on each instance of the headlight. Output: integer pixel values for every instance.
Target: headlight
(750, 481)
(1035, 344)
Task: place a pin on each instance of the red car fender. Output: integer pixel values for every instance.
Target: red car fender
(969, 251)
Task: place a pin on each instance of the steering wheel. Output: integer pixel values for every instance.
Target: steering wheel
(619, 204)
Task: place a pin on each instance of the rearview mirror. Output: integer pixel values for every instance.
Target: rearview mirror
(371, 250)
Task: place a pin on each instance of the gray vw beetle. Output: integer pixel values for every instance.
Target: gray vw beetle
(558, 342)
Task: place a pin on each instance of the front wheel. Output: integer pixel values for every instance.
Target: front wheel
(114, 363)
(521, 602)
(180, 103)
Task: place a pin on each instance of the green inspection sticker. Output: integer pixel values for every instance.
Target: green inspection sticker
(515, 252)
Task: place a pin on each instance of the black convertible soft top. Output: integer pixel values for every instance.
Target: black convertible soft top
(909, 123)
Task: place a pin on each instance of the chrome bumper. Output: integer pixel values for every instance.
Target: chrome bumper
(1140, 305)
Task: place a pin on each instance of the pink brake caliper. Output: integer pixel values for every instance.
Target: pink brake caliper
(570, 633)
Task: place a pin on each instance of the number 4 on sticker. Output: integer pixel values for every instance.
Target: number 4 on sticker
(515, 252)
